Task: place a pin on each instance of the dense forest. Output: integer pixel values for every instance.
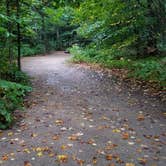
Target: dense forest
(115, 34)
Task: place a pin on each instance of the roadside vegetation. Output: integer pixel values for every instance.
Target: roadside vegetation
(129, 35)
(150, 68)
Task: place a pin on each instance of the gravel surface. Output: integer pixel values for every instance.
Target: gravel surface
(77, 116)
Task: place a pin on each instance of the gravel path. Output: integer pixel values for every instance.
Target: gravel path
(80, 117)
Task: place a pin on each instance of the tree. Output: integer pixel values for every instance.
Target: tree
(118, 25)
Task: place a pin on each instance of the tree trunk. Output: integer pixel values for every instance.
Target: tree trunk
(9, 30)
(58, 38)
(44, 34)
(18, 36)
(152, 41)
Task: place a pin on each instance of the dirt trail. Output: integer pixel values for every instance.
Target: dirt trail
(80, 117)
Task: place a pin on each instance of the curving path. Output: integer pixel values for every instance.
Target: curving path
(76, 116)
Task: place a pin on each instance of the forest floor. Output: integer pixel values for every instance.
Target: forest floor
(78, 116)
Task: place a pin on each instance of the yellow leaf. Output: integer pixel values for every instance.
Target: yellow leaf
(51, 155)
(26, 150)
(94, 160)
(38, 149)
(164, 113)
(10, 134)
(34, 135)
(130, 164)
(40, 154)
(116, 131)
(64, 147)
(62, 158)
(59, 122)
(73, 138)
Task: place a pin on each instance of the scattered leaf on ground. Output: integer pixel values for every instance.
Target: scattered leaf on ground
(5, 157)
(130, 164)
(62, 158)
(125, 136)
(140, 117)
(109, 157)
(27, 163)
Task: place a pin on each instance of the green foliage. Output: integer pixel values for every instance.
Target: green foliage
(11, 98)
(123, 34)
(80, 55)
(123, 25)
(98, 56)
(18, 77)
(149, 69)
(153, 70)
(28, 50)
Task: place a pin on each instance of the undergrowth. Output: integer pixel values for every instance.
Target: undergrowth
(11, 98)
(151, 69)
(13, 86)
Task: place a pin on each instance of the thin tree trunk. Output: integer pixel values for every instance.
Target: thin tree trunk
(58, 38)
(9, 30)
(18, 36)
(44, 34)
(152, 42)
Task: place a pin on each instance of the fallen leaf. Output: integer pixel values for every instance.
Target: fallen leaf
(103, 127)
(112, 164)
(94, 160)
(33, 135)
(91, 142)
(125, 136)
(38, 149)
(105, 118)
(51, 154)
(64, 147)
(108, 147)
(56, 137)
(27, 163)
(140, 117)
(40, 154)
(109, 157)
(130, 164)
(5, 157)
(59, 122)
(26, 150)
(142, 161)
(62, 158)
(164, 113)
(10, 133)
(73, 138)
(116, 131)
(80, 162)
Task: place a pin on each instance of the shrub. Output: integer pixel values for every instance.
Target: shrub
(11, 98)
(18, 77)
(28, 50)
(149, 69)
(152, 70)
